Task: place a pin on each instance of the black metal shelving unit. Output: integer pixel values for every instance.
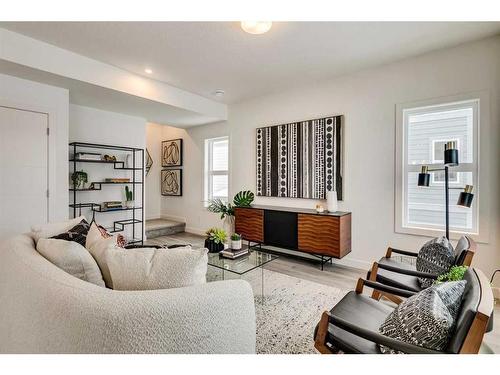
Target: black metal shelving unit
(118, 225)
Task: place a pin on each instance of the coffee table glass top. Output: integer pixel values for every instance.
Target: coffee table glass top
(243, 264)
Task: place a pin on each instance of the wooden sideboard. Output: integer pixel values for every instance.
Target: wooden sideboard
(319, 234)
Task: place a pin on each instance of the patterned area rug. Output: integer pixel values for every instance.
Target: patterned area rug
(292, 307)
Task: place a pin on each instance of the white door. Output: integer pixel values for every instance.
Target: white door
(23, 170)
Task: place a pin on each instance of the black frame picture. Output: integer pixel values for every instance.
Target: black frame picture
(171, 182)
(171, 153)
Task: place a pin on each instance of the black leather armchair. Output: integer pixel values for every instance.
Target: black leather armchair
(351, 326)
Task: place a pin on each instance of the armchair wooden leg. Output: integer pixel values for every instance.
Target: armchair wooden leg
(320, 342)
(373, 277)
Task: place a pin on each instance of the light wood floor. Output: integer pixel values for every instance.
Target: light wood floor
(332, 275)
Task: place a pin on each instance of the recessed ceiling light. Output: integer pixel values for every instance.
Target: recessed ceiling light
(256, 27)
(148, 71)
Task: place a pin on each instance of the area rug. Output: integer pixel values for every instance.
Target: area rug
(290, 311)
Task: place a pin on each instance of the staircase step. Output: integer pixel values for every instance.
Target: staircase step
(163, 227)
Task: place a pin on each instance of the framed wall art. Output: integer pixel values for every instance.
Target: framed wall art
(171, 153)
(171, 182)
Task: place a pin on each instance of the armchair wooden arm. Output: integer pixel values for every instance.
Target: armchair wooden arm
(327, 318)
(391, 250)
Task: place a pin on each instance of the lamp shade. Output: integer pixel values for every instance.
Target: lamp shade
(465, 198)
(424, 177)
(450, 154)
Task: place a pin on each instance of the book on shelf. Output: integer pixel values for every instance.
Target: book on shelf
(117, 180)
(87, 156)
(233, 254)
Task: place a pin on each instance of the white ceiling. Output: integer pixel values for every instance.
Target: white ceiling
(201, 57)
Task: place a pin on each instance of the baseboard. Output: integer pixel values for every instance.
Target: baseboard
(198, 231)
(174, 218)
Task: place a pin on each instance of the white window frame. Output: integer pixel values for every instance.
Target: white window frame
(208, 173)
(481, 211)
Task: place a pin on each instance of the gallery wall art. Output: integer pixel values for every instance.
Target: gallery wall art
(171, 153)
(300, 159)
(171, 182)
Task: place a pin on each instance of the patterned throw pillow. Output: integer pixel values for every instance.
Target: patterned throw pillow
(77, 234)
(437, 257)
(427, 318)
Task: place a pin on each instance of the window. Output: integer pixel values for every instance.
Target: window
(421, 134)
(216, 169)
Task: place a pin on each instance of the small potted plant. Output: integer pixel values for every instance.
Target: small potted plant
(79, 179)
(129, 198)
(215, 240)
(235, 241)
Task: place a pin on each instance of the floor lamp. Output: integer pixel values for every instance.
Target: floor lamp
(450, 160)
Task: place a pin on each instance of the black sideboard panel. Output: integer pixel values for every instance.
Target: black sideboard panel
(280, 229)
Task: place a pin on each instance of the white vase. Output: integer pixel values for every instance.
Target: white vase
(236, 245)
(331, 200)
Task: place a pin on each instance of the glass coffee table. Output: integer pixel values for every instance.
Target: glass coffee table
(241, 266)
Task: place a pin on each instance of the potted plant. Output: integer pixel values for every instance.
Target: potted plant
(79, 179)
(129, 197)
(235, 241)
(226, 209)
(215, 240)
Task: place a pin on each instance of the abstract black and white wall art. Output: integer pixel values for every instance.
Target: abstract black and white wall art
(171, 182)
(301, 159)
(171, 153)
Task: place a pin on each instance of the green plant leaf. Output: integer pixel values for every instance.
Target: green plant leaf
(243, 198)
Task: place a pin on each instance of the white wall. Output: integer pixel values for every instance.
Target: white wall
(97, 126)
(153, 193)
(368, 100)
(28, 95)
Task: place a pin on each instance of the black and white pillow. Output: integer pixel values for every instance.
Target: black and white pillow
(437, 257)
(77, 234)
(426, 319)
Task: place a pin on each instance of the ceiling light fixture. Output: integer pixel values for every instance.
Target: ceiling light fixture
(219, 93)
(256, 27)
(148, 71)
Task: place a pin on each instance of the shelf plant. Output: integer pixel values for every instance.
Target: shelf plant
(79, 179)
(129, 197)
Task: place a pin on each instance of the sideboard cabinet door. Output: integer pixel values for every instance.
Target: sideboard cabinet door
(249, 223)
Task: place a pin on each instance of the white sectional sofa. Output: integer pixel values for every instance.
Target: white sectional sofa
(45, 310)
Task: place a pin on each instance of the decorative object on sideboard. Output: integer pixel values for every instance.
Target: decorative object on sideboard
(171, 182)
(286, 152)
(149, 162)
(235, 241)
(171, 151)
(79, 179)
(320, 209)
(332, 201)
(129, 198)
(450, 160)
(215, 240)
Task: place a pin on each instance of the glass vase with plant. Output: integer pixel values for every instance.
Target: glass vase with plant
(226, 209)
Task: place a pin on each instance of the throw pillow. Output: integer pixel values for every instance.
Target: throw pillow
(71, 257)
(77, 234)
(52, 229)
(427, 318)
(149, 268)
(436, 257)
(98, 245)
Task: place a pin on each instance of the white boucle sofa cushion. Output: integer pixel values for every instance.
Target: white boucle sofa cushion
(149, 268)
(53, 229)
(71, 257)
(98, 246)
